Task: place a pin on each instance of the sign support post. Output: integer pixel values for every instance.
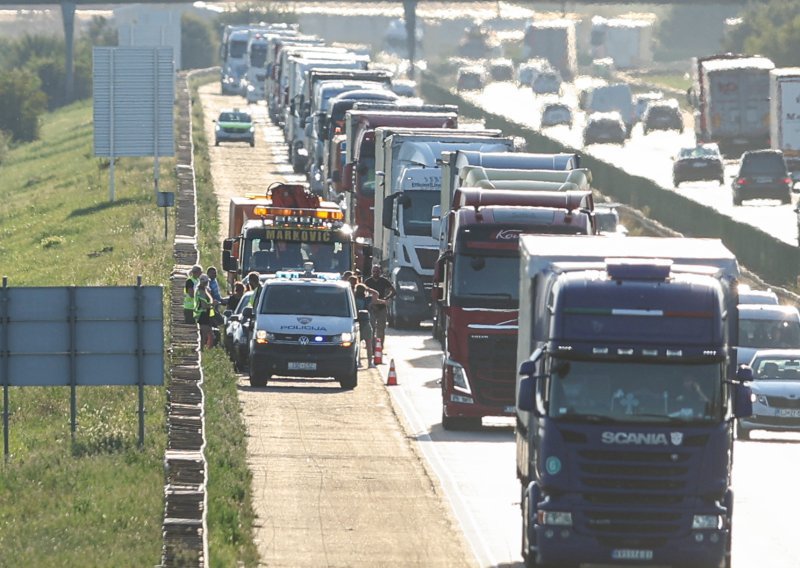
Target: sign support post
(140, 355)
(73, 374)
(4, 362)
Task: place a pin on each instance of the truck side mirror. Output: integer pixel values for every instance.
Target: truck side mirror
(744, 373)
(436, 227)
(227, 244)
(388, 218)
(229, 263)
(347, 176)
(742, 400)
(247, 313)
(526, 393)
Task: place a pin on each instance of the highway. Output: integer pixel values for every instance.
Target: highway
(647, 156)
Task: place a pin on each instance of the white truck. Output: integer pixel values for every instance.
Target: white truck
(627, 41)
(553, 40)
(784, 115)
(407, 186)
(730, 94)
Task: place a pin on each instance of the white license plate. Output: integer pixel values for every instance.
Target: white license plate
(302, 366)
(510, 409)
(763, 179)
(631, 554)
(698, 165)
(789, 412)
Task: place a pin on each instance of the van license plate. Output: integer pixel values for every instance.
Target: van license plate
(631, 554)
(302, 366)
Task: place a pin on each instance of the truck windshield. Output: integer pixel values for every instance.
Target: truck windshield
(237, 49)
(366, 176)
(626, 391)
(258, 55)
(265, 256)
(475, 281)
(417, 212)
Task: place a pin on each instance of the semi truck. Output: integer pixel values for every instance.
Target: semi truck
(358, 176)
(553, 40)
(730, 96)
(476, 288)
(626, 398)
(784, 115)
(627, 41)
(280, 230)
(407, 186)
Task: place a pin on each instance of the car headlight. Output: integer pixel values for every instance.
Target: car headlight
(217, 127)
(459, 375)
(252, 129)
(557, 518)
(345, 339)
(263, 336)
(707, 522)
(761, 399)
(250, 88)
(407, 285)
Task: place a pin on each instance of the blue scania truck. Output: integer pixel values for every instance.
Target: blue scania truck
(626, 399)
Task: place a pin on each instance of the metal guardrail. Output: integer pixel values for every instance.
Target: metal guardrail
(184, 527)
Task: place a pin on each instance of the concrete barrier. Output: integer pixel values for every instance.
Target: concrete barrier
(775, 261)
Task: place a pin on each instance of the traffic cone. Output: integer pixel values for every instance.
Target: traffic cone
(377, 357)
(391, 378)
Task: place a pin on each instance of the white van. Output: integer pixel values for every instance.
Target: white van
(305, 327)
(617, 97)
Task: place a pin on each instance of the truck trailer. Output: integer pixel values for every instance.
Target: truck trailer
(784, 115)
(730, 95)
(626, 397)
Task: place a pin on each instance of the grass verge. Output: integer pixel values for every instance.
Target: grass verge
(97, 500)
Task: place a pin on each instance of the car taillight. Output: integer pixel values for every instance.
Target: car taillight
(787, 181)
(741, 181)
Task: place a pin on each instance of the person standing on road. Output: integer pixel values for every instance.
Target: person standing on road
(386, 291)
(213, 285)
(254, 284)
(203, 312)
(364, 298)
(188, 301)
(233, 300)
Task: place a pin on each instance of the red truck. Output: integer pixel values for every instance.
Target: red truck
(476, 282)
(358, 178)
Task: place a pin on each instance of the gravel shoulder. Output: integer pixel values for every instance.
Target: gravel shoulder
(336, 479)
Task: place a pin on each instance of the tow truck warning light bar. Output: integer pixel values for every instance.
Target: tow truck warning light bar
(298, 216)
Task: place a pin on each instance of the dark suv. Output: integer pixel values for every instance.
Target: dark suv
(762, 175)
(662, 115)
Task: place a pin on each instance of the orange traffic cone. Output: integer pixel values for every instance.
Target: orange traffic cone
(391, 378)
(377, 357)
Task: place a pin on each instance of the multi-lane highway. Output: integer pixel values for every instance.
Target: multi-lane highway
(648, 156)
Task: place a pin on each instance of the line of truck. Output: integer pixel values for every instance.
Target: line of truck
(615, 355)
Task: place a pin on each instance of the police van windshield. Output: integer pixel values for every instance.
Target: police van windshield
(634, 392)
(306, 300)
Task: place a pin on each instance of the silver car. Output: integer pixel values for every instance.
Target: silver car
(764, 326)
(776, 393)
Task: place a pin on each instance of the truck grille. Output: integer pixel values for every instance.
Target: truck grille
(492, 368)
(427, 257)
(618, 484)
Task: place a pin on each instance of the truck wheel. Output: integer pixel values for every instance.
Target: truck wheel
(453, 423)
(736, 200)
(786, 199)
(675, 182)
(257, 380)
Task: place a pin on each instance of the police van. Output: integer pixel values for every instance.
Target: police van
(305, 327)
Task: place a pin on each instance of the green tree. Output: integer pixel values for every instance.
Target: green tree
(23, 104)
(199, 46)
(770, 29)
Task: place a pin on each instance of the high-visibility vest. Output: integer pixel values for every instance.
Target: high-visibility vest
(188, 300)
(201, 303)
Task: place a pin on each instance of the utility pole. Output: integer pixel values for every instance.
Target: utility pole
(68, 19)
(410, 13)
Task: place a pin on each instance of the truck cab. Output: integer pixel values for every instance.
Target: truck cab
(626, 398)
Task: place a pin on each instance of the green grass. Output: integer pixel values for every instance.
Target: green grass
(97, 499)
(668, 80)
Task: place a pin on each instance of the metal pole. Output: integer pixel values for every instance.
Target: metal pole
(4, 363)
(156, 167)
(73, 367)
(111, 129)
(68, 19)
(165, 223)
(140, 355)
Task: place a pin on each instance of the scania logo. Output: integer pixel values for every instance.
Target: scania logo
(304, 320)
(303, 340)
(508, 235)
(642, 438)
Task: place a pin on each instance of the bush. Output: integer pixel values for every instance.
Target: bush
(5, 141)
(23, 104)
